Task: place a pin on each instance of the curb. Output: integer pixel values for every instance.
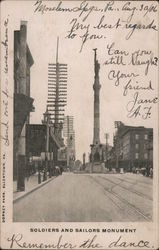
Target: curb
(33, 189)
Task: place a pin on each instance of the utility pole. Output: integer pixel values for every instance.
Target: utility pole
(117, 125)
(106, 146)
(68, 146)
(57, 97)
(84, 160)
(57, 91)
(46, 121)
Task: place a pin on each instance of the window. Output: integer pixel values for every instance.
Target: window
(137, 146)
(136, 155)
(145, 155)
(136, 136)
(146, 146)
(146, 137)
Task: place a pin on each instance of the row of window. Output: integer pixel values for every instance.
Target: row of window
(137, 146)
(145, 136)
(137, 156)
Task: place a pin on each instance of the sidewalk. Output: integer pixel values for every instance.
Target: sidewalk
(31, 184)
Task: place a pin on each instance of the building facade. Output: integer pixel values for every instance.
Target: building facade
(133, 147)
(23, 103)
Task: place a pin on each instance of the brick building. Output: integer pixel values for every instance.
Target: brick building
(133, 147)
(23, 103)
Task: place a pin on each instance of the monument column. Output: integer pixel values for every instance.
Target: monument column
(96, 147)
(96, 88)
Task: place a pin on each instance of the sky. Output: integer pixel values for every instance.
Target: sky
(42, 33)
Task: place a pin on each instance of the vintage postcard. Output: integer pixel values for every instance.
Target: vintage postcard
(79, 124)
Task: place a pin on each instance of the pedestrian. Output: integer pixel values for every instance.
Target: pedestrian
(61, 169)
(133, 169)
(151, 172)
(28, 169)
(57, 170)
(147, 170)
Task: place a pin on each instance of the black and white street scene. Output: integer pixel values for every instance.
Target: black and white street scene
(84, 109)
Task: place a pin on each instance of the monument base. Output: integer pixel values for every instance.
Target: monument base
(96, 168)
(96, 158)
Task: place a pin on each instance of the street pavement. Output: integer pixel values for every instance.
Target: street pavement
(88, 198)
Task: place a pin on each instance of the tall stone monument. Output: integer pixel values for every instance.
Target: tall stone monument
(96, 157)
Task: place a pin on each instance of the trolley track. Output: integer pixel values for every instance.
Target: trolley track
(128, 189)
(141, 182)
(121, 199)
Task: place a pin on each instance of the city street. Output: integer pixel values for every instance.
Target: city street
(88, 198)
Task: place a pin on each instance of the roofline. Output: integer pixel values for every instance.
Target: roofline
(134, 128)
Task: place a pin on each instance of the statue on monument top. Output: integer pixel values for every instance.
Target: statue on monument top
(96, 64)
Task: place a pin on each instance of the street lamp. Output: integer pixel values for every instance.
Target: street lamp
(84, 160)
(106, 146)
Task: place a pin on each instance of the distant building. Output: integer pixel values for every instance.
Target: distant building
(42, 141)
(69, 136)
(23, 103)
(133, 147)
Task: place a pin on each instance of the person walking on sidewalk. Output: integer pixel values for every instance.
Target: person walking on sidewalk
(57, 171)
(28, 168)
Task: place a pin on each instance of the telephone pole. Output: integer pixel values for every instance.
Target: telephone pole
(106, 147)
(57, 91)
